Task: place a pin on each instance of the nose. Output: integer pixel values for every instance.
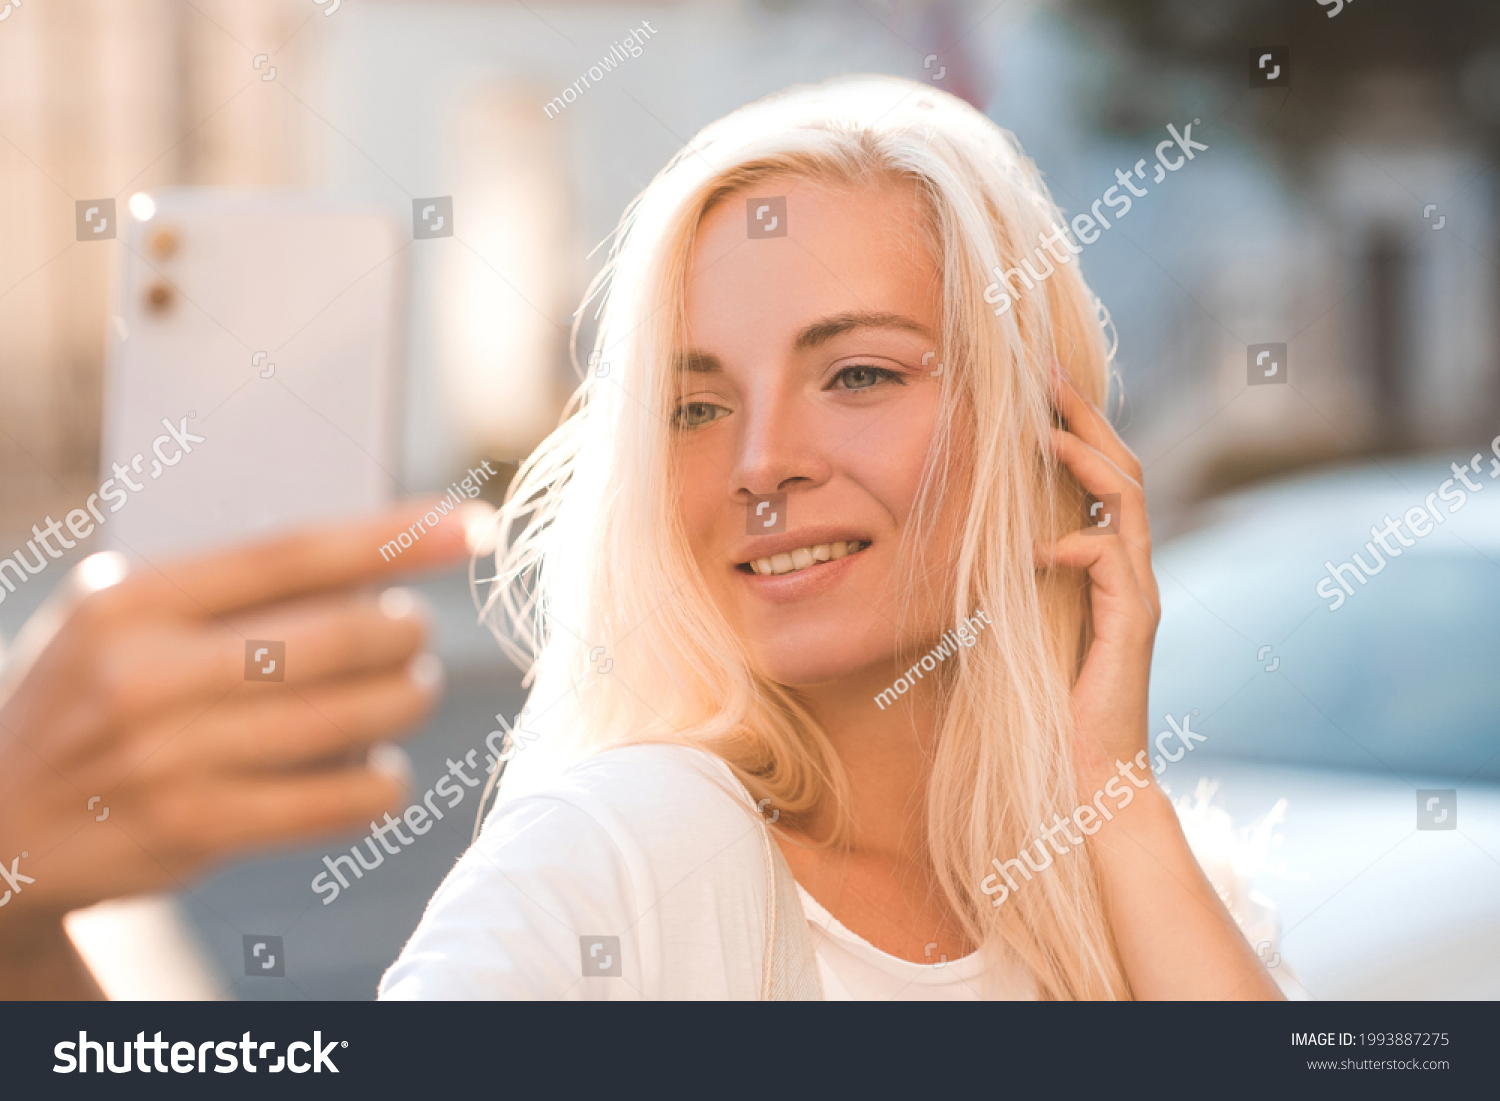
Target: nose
(780, 447)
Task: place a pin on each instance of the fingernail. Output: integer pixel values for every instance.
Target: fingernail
(398, 602)
(480, 529)
(100, 571)
(391, 760)
(427, 671)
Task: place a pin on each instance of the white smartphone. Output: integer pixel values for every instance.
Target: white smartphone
(252, 384)
(254, 372)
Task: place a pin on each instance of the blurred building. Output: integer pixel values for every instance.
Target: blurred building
(1368, 244)
(1306, 223)
(102, 100)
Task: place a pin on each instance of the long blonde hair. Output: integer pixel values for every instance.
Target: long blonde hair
(596, 591)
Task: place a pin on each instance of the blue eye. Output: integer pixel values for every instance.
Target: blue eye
(863, 377)
(695, 414)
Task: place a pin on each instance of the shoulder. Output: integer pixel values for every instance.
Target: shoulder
(672, 798)
(654, 846)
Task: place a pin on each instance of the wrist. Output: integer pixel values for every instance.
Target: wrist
(1113, 777)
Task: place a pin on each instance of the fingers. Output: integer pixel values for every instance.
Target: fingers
(1119, 599)
(334, 636)
(1106, 560)
(251, 812)
(1098, 474)
(295, 729)
(170, 666)
(331, 557)
(1091, 426)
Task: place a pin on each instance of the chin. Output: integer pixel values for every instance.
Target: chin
(806, 661)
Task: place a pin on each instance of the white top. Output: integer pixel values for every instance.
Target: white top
(639, 874)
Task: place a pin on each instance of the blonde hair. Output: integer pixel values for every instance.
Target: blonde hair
(594, 555)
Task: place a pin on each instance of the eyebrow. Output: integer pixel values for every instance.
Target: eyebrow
(819, 332)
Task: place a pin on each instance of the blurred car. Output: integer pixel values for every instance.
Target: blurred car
(1376, 716)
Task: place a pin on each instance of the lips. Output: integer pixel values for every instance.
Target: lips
(799, 562)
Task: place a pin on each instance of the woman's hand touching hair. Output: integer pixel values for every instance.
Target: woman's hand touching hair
(138, 690)
(1175, 937)
(1109, 697)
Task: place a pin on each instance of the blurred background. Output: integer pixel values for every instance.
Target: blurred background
(1345, 208)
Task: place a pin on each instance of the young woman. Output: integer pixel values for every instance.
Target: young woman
(813, 552)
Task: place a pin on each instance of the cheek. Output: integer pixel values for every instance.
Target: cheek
(888, 458)
(700, 497)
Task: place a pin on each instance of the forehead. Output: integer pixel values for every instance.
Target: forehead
(845, 248)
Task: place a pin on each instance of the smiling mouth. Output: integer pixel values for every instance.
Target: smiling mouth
(801, 558)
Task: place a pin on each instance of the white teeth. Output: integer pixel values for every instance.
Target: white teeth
(803, 557)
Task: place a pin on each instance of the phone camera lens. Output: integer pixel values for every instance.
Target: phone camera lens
(164, 242)
(159, 297)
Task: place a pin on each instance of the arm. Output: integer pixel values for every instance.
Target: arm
(39, 963)
(1175, 937)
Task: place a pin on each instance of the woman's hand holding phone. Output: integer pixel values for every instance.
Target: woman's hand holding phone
(142, 691)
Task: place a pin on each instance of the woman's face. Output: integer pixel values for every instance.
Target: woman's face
(809, 394)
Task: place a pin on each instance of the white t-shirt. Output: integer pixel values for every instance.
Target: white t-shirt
(639, 874)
